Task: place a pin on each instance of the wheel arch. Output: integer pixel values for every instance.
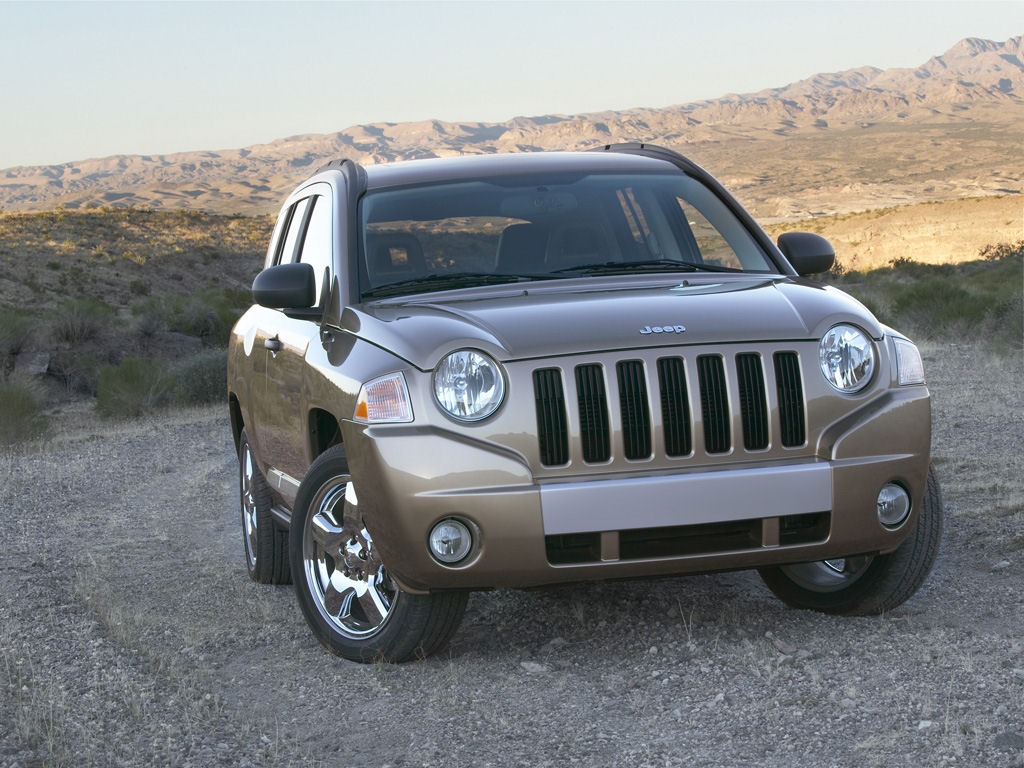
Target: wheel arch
(324, 431)
(237, 422)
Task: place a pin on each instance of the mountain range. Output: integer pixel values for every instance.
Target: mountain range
(835, 142)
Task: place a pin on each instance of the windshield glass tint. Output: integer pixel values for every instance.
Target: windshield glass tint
(512, 228)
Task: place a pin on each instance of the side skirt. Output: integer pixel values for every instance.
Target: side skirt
(282, 516)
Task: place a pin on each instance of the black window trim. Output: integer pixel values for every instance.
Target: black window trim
(279, 245)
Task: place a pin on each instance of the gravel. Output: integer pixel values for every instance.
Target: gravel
(131, 635)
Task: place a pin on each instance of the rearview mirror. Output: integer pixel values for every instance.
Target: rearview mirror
(285, 286)
(808, 253)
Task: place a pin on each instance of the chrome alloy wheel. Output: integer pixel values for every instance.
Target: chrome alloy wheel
(829, 575)
(345, 577)
(246, 480)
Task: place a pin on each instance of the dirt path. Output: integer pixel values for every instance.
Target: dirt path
(130, 634)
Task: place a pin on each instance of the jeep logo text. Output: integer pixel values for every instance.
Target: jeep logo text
(663, 329)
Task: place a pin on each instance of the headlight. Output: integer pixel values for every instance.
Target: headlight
(468, 385)
(384, 399)
(847, 358)
(908, 363)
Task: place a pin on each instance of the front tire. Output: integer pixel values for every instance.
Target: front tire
(866, 585)
(354, 607)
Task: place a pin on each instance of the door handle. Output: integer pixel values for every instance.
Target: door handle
(274, 344)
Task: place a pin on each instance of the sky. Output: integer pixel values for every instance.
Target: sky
(81, 80)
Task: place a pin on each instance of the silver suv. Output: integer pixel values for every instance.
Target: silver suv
(518, 370)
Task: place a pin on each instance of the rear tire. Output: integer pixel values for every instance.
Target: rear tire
(864, 586)
(354, 607)
(266, 544)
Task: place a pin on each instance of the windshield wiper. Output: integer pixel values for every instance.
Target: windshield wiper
(610, 267)
(650, 265)
(445, 282)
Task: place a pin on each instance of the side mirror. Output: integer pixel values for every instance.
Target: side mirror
(808, 253)
(285, 286)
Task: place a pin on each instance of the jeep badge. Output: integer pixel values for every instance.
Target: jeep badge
(663, 329)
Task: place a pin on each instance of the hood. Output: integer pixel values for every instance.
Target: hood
(513, 322)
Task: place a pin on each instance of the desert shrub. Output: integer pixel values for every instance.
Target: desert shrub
(14, 332)
(77, 370)
(201, 378)
(132, 388)
(872, 303)
(79, 320)
(1000, 251)
(213, 312)
(194, 317)
(139, 287)
(151, 323)
(21, 416)
(1004, 326)
(977, 301)
(208, 314)
(150, 305)
(936, 304)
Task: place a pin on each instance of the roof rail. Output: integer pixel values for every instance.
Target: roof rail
(661, 153)
(651, 150)
(334, 165)
(632, 145)
(349, 168)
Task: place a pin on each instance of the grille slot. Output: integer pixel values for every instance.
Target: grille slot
(551, 426)
(804, 529)
(753, 407)
(569, 548)
(675, 406)
(714, 404)
(636, 416)
(593, 405)
(791, 399)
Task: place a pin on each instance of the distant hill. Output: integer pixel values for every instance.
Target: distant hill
(833, 143)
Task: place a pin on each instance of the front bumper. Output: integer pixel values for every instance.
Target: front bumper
(639, 524)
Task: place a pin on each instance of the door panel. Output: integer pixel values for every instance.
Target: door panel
(264, 425)
(284, 429)
(287, 395)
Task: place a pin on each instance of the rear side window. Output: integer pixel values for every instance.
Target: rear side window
(296, 217)
(316, 247)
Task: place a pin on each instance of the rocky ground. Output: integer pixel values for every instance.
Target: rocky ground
(131, 635)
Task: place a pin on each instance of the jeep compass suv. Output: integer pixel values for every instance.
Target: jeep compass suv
(519, 370)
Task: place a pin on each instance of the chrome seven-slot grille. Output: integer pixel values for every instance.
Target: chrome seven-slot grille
(680, 400)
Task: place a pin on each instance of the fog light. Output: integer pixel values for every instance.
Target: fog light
(893, 505)
(450, 541)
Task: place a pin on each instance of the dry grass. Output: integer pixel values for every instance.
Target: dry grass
(979, 300)
(934, 233)
(21, 415)
(117, 255)
(36, 706)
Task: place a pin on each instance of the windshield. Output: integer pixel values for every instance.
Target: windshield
(510, 229)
